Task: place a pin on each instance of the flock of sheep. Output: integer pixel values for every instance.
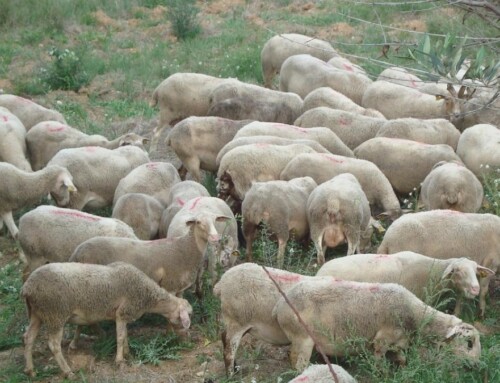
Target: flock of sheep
(318, 160)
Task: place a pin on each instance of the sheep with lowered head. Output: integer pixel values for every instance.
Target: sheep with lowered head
(12, 140)
(58, 293)
(320, 373)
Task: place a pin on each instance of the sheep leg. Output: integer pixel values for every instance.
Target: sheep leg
(29, 338)
(121, 338)
(300, 353)
(458, 306)
(76, 337)
(484, 286)
(9, 222)
(231, 340)
(192, 165)
(55, 339)
(320, 249)
(249, 232)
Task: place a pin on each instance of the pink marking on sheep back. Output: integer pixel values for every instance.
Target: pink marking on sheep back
(55, 128)
(180, 201)
(262, 145)
(159, 241)
(343, 121)
(285, 277)
(382, 256)
(448, 212)
(5, 118)
(301, 379)
(289, 127)
(77, 214)
(374, 288)
(194, 203)
(90, 149)
(348, 67)
(152, 165)
(332, 158)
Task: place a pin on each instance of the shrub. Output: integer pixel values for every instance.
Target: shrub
(183, 16)
(66, 71)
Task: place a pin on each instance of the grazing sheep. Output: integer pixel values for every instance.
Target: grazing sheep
(153, 178)
(20, 189)
(385, 315)
(405, 163)
(479, 149)
(86, 294)
(172, 263)
(302, 74)
(12, 140)
(97, 171)
(278, 48)
(51, 234)
(46, 138)
(197, 141)
(342, 63)
(482, 108)
(447, 234)
(282, 206)
(338, 211)
(450, 185)
(323, 136)
(320, 373)
(141, 212)
(179, 194)
(352, 128)
(420, 274)
(326, 96)
(322, 167)
(29, 112)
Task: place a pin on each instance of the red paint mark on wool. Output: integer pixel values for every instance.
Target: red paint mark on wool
(194, 203)
(77, 214)
(413, 83)
(286, 277)
(180, 201)
(152, 165)
(261, 145)
(348, 67)
(55, 128)
(382, 256)
(448, 212)
(301, 379)
(374, 288)
(302, 130)
(5, 118)
(343, 121)
(90, 149)
(333, 158)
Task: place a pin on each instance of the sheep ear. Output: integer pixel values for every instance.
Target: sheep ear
(484, 272)
(448, 272)
(377, 225)
(71, 188)
(452, 333)
(191, 222)
(222, 218)
(145, 140)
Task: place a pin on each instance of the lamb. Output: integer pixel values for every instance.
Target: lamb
(320, 373)
(152, 178)
(338, 211)
(421, 275)
(450, 185)
(447, 234)
(302, 74)
(405, 163)
(282, 206)
(46, 138)
(85, 294)
(50, 234)
(352, 128)
(479, 149)
(97, 171)
(342, 63)
(322, 167)
(20, 189)
(326, 96)
(12, 140)
(385, 315)
(278, 48)
(197, 140)
(29, 112)
(323, 136)
(172, 263)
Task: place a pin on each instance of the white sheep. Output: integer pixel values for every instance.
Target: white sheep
(322, 167)
(450, 185)
(382, 316)
(338, 211)
(46, 138)
(423, 276)
(282, 206)
(29, 112)
(20, 189)
(352, 128)
(343, 63)
(302, 74)
(482, 108)
(447, 234)
(400, 76)
(320, 373)
(405, 163)
(278, 48)
(51, 234)
(12, 140)
(86, 294)
(97, 171)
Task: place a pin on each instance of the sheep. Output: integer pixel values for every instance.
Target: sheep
(20, 189)
(320, 373)
(302, 74)
(450, 185)
(400, 76)
(172, 263)
(46, 138)
(323, 136)
(97, 171)
(152, 178)
(282, 206)
(86, 294)
(12, 140)
(421, 275)
(326, 96)
(385, 315)
(50, 234)
(29, 112)
(258, 162)
(249, 108)
(141, 212)
(338, 211)
(342, 63)
(179, 194)
(447, 234)
(482, 108)
(322, 167)
(434, 131)
(278, 48)
(405, 163)
(479, 149)
(352, 128)
(197, 140)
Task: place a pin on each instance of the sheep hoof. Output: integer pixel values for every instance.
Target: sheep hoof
(69, 375)
(30, 373)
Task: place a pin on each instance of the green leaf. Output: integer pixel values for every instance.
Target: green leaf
(427, 45)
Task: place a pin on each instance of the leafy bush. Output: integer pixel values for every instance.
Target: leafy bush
(66, 71)
(183, 16)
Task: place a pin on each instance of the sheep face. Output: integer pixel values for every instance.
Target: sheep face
(465, 341)
(133, 139)
(176, 310)
(63, 188)
(463, 275)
